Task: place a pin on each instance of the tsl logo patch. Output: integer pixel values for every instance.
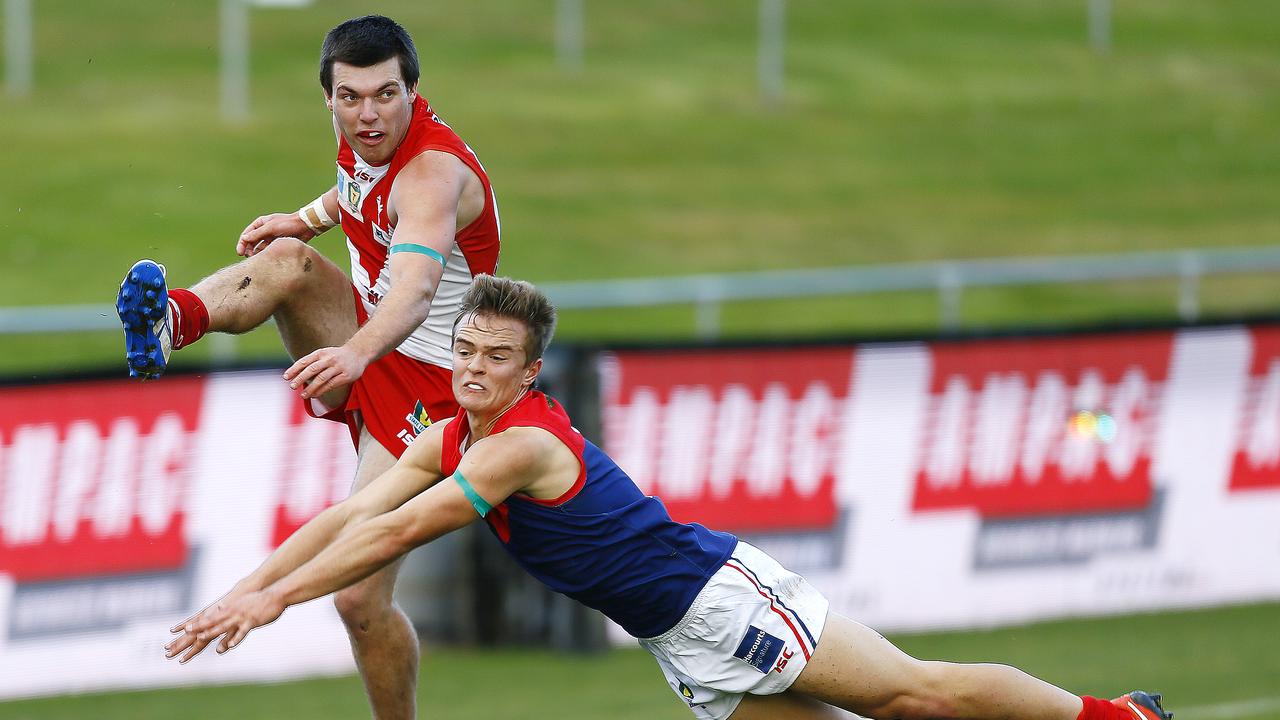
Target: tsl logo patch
(418, 419)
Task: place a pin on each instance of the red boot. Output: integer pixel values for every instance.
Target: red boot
(1142, 706)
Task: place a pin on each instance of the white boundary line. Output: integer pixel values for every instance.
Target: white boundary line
(1222, 711)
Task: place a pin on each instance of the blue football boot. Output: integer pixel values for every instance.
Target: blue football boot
(143, 306)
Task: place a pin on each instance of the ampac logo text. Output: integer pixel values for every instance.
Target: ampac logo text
(1008, 440)
(744, 441)
(92, 481)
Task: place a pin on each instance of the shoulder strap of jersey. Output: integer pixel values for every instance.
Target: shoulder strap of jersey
(451, 450)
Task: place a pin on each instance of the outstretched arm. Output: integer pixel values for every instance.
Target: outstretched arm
(417, 470)
(495, 468)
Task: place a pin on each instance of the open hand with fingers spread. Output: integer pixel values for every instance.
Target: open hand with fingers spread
(187, 637)
(325, 370)
(231, 619)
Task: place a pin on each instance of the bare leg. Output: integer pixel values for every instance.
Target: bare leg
(309, 296)
(311, 301)
(382, 637)
(288, 279)
(856, 669)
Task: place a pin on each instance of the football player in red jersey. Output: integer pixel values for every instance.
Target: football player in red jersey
(371, 349)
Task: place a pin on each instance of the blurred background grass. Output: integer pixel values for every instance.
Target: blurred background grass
(910, 131)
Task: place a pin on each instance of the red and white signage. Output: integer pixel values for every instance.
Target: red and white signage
(975, 482)
(999, 436)
(126, 506)
(94, 477)
(317, 463)
(919, 485)
(1256, 464)
(744, 440)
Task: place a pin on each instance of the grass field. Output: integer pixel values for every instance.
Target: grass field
(1211, 664)
(910, 130)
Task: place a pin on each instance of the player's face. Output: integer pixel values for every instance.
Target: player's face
(371, 108)
(489, 368)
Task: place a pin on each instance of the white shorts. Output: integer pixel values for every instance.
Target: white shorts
(751, 630)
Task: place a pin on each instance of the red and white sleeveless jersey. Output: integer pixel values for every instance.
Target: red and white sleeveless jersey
(362, 196)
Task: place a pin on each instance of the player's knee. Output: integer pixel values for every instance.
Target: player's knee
(292, 258)
(360, 605)
(925, 693)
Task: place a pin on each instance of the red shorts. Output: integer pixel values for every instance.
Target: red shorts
(396, 398)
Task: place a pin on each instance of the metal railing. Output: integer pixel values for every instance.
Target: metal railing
(948, 278)
(708, 292)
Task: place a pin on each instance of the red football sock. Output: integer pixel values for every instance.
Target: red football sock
(188, 317)
(1099, 709)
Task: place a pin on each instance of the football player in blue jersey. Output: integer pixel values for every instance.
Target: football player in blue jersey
(736, 634)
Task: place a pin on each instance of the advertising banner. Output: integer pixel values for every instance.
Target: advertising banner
(124, 507)
(922, 485)
(967, 483)
(742, 439)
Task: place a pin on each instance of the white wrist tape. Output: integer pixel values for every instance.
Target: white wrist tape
(315, 217)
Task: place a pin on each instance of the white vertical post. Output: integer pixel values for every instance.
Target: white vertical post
(235, 60)
(707, 318)
(569, 34)
(1189, 271)
(950, 288)
(1100, 25)
(769, 64)
(17, 47)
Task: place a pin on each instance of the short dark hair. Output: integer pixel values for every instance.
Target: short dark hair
(516, 300)
(366, 41)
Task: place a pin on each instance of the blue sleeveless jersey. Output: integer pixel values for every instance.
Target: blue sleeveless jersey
(603, 543)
